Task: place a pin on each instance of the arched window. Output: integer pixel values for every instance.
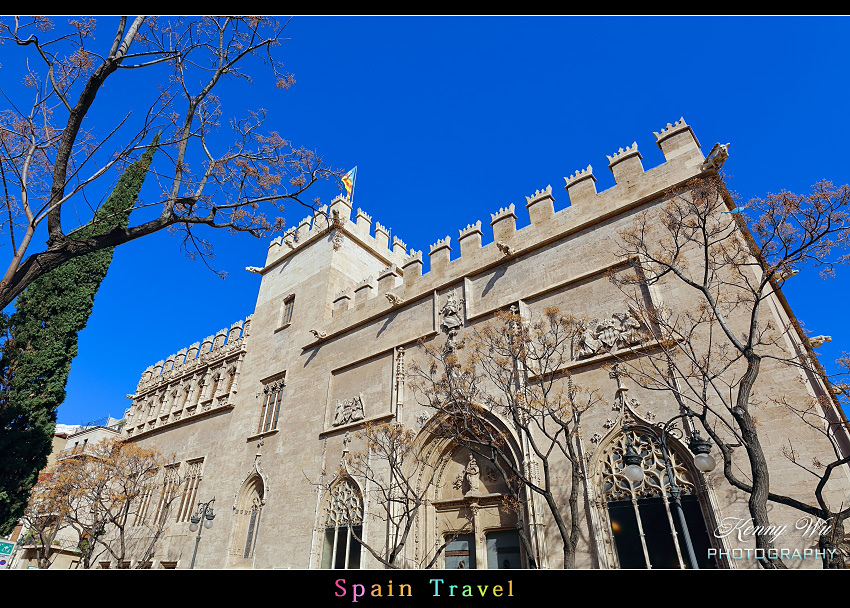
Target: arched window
(644, 524)
(343, 521)
(248, 516)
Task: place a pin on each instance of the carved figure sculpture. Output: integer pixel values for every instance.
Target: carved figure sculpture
(348, 410)
(620, 331)
(471, 476)
(452, 322)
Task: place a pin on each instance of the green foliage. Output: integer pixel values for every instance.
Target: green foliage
(40, 341)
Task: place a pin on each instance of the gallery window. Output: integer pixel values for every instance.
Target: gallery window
(272, 396)
(170, 484)
(190, 489)
(645, 528)
(343, 526)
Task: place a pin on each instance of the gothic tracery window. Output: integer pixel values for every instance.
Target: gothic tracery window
(270, 411)
(248, 516)
(646, 531)
(343, 521)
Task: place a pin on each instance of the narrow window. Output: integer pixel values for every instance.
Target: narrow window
(253, 526)
(270, 411)
(288, 306)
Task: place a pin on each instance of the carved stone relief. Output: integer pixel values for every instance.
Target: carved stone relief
(348, 410)
(620, 331)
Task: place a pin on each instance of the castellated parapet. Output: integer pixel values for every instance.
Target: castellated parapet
(194, 380)
(410, 278)
(337, 217)
(633, 185)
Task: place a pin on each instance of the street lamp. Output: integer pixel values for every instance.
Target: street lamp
(703, 461)
(205, 513)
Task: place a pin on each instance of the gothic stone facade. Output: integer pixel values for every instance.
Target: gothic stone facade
(261, 414)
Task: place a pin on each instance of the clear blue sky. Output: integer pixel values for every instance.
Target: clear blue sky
(451, 118)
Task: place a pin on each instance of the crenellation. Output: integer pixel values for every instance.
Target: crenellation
(399, 247)
(363, 290)
(341, 208)
(581, 185)
(321, 219)
(206, 345)
(440, 253)
(626, 163)
(303, 226)
(503, 223)
(545, 224)
(364, 222)
(470, 238)
(541, 205)
(341, 302)
(382, 236)
(679, 141)
(412, 267)
(220, 337)
(235, 332)
(185, 361)
(290, 236)
(387, 279)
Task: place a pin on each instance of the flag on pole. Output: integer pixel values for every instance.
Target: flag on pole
(348, 181)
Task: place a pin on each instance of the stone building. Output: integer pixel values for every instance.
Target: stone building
(261, 414)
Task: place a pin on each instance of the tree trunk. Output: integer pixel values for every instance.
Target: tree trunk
(757, 502)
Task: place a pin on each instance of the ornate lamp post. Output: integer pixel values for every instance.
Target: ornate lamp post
(633, 470)
(205, 513)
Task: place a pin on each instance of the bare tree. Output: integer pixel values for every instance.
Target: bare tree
(399, 478)
(118, 497)
(44, 517)
(514, 368)
(56, 150)
(710, 348)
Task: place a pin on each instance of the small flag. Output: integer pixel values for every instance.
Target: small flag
(348, 181)
(736, 209)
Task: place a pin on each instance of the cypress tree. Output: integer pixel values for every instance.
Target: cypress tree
(41, 340)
